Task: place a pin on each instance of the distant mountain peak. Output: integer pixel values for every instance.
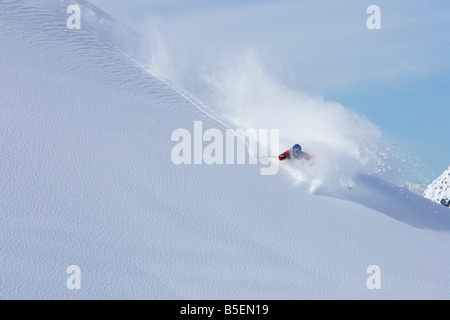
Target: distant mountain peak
(439, 189)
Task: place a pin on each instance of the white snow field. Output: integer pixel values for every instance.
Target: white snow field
(86, 179)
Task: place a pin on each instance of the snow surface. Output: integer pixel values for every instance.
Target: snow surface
(86, 178)
(439, 189)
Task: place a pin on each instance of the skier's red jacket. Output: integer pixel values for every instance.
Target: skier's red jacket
(288, 154)
(284, 155)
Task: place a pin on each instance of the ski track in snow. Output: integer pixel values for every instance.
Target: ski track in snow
(86, 179)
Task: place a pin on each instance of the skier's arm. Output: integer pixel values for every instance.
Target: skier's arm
(284, 155)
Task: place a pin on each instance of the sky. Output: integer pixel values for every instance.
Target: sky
(398, 76)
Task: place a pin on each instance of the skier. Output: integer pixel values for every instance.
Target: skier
(294, 153)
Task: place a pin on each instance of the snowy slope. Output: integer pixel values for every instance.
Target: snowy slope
(86, 178)
(439, 189)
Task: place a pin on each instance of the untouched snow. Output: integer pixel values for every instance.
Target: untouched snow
(439, 189)
(86, 178)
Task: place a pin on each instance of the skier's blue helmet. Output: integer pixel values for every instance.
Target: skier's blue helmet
(297, 149)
